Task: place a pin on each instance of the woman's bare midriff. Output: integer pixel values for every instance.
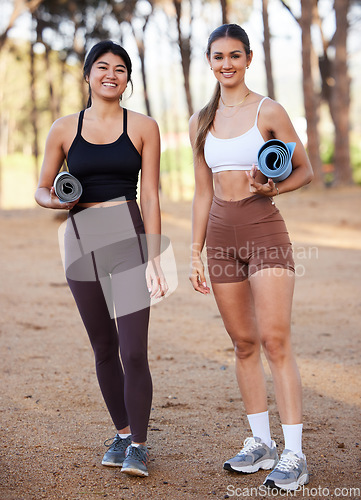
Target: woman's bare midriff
(233, 185)
(102, 204)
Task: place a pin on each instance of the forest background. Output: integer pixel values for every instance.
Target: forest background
(306, 55)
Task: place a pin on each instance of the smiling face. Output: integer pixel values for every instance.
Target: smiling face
(108, 76)
(228, 59)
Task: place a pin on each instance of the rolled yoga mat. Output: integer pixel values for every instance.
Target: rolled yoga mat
(67, 187)
(274, 159)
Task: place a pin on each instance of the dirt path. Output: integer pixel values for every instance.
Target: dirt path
(53, 420)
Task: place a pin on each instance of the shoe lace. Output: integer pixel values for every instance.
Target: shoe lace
(250, 444)
(115, 443)
(137, 453)
(287, 463)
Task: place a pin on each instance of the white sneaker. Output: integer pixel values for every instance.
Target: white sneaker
(290, 472)
(253, 456)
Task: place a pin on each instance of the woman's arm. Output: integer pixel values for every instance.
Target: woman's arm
(202, 201)
(276, 124)
(53, 159)
(149, 186)
(149, 202)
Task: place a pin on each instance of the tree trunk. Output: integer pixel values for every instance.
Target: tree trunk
(185, 51)
(49, 74)
(34, 111)
(311, 100)
(79, 47)
(61, 92)
(341, 96)
(141, 51)
(267, 50)
(224, 7)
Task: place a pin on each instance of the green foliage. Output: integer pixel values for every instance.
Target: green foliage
(355, 152)
(177, 177)
(327, 155)
(177, 159)
(326, 150)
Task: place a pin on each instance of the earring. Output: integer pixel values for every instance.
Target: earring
(211, 68)
(247, 67)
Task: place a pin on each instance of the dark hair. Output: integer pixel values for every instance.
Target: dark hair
(103, 48)
(207, 114)
(231, 31)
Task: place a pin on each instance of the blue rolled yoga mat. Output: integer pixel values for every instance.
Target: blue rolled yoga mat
(67, 187)
(274, 159)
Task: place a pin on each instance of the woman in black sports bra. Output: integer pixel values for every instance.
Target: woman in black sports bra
(111, 251)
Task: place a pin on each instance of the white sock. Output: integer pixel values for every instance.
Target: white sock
(293, 438)
(123, 436)
(136, 445)
(259, 423)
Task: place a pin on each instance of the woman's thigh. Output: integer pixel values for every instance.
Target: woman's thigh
(236, 305)
(272, 291)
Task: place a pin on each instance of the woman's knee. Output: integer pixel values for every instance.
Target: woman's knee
(276, 346)
(245, 348)
(135, 360)
(105, 349)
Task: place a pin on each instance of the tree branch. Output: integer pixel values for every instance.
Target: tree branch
(297, 19)
(20, 6)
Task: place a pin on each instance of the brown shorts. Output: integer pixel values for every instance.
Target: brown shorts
(245, 236)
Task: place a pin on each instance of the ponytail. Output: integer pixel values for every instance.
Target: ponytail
(205, 121)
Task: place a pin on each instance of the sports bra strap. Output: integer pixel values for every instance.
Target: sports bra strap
(259, 107)
(80, 122)
(124, 121)
(81, 118)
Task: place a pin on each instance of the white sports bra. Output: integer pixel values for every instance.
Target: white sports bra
(236, 153)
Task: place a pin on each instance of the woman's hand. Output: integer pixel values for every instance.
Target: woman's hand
(197, 277)
(56, 203)
(267, 189)
(156, 282)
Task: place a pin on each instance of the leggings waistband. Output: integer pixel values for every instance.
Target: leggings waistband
(121, 218)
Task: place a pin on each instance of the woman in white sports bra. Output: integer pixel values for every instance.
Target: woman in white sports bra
(249, 253)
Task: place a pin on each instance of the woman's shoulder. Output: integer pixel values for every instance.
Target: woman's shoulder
(141, 120)
(270, 106)
(193, 122)
(64, 122)
(63, 128)
(194, 117)
(272, 114)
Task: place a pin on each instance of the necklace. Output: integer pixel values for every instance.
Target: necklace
(235, 105)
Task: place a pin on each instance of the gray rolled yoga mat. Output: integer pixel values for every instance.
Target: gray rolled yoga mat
(67, 187)
(274, 159)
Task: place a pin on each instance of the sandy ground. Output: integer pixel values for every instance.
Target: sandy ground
(53, 419)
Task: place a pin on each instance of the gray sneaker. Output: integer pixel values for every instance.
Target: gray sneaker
(116, 453)
(136, 461)
(290, 473)
(253, 456)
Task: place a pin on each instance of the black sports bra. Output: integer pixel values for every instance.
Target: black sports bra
(105, 171)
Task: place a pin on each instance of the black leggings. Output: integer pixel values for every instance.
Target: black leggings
(109, 287)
